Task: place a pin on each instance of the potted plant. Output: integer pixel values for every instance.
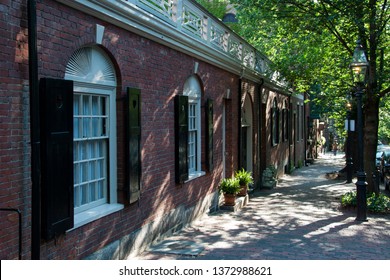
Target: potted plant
(244, 178)
(229, 187)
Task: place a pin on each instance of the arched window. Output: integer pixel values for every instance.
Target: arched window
(94, 138)
(246, 157)
(275, 122)
(193, 89)
(285, 117)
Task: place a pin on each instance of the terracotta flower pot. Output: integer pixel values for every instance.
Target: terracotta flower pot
(230, 199)
(243, 191)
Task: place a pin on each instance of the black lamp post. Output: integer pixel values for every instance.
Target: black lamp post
(359, 66)
(348, 144)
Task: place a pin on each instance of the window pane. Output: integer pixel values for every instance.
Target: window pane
(90, 151)
(84, 172)
(92, 191)
(95, 105)
(83, 146)
(76, 104)
(76, 173)
(192, 138)
(100, 190)
(84, 194)
(76, 120)
(76, 197)
(76, 129)
(86, 105)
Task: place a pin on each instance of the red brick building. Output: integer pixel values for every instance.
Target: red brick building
(141, 108)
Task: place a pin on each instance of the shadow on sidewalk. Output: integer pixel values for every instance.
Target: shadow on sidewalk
(300, 219)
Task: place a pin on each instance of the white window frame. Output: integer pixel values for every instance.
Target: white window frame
(192, 89)
(93, 73)
(111, 205)
(90, 151)
(275, 123)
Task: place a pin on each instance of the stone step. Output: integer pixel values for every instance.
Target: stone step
(241, 201)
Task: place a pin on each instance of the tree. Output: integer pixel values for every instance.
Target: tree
(311, 42)
(384, 121)
(217, 7)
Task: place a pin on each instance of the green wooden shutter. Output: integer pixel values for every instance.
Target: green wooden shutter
(181, 138)
(209, 135)
(56, 120)
(133, 144)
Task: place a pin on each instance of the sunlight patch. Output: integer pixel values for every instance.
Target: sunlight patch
(177, 247)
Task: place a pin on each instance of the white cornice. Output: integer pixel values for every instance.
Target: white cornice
(132, 18)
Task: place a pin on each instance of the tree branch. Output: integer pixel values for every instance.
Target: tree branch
(332, 28)
(384, 92)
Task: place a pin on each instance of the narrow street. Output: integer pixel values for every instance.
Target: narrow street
(300, 219)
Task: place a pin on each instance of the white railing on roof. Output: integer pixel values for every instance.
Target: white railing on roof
(187, 17)
(186, 25)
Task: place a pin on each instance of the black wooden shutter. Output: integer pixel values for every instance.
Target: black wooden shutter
(209, 135)
(181, 138)
(56, 97)
(134, 143)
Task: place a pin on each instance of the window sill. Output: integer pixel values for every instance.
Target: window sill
(95, 213)
(195, 175)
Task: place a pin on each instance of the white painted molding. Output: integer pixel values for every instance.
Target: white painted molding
(99, 34)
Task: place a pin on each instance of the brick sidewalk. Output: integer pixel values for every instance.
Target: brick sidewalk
(300, 219)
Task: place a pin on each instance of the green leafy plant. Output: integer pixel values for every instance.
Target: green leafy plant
(244, 177)
(375, 203)
(349, 199)
(378, 203)
(229, 186)
(272, 168)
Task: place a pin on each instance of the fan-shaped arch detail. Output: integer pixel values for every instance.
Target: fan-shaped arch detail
(92, 65)
(192, 87)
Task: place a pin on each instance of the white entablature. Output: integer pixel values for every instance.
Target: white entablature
(186, 26)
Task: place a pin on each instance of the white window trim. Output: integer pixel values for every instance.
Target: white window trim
(198, 172)
(112, 205)
(195, 175)
(93, 73)
(93, 214)
(194, 96)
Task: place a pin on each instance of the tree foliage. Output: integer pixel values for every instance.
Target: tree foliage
(217, 7)
(384, 121)
(311, 43)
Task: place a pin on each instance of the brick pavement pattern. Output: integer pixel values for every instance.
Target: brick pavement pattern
(300, 219)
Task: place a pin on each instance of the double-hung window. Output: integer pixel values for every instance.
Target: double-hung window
(275, 122)
(192, 89)
(285, 120)
(90, 150)
(193, 128)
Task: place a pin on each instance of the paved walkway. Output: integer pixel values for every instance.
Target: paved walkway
(300, 219)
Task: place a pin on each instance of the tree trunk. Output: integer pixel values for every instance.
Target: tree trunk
(371, 107)
(371, 115)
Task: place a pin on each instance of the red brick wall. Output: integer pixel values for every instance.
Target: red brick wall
(14, 126)
(300, 142)
(251, 90)
(277, 155)
(160, 73)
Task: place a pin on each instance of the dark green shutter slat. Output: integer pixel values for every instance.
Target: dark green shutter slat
(209, 135)
(181, 138)
(134, 143)
(56, 97)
